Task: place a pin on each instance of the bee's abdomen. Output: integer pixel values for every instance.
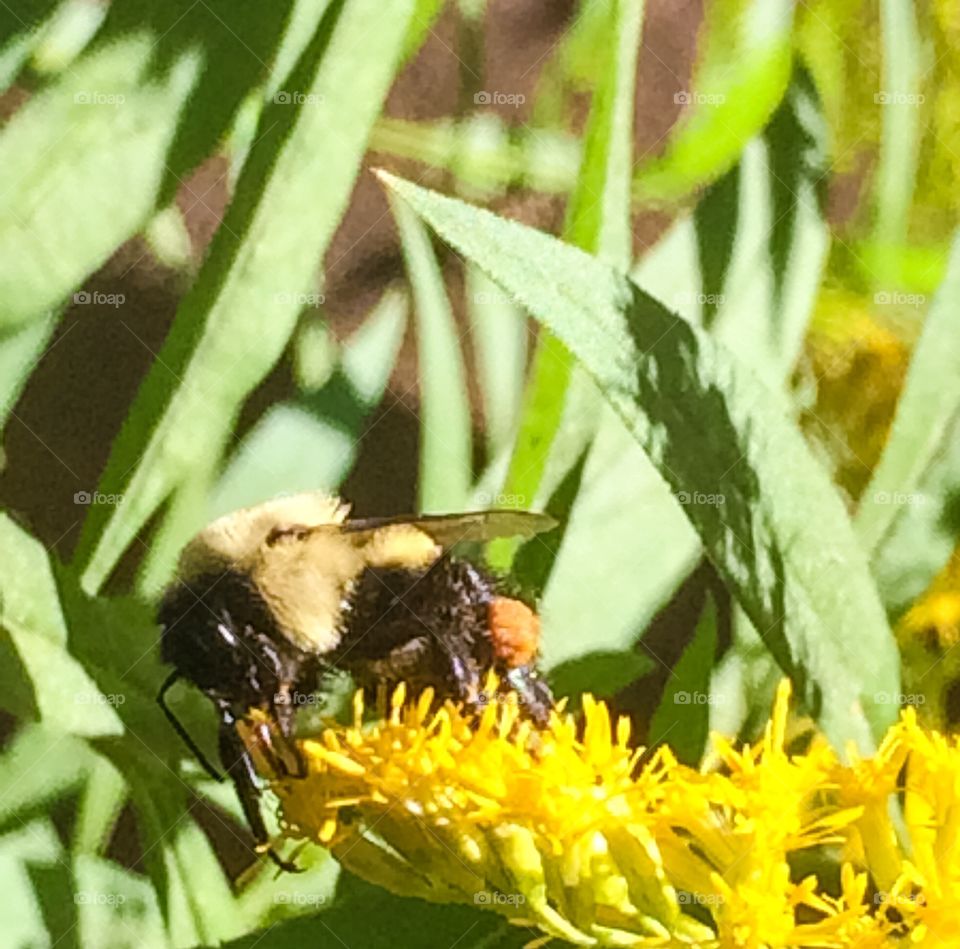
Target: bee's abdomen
(427, 626)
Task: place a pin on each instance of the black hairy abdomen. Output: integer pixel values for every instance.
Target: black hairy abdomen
(426, 627)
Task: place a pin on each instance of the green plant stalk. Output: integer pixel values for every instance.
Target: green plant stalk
(897, 163)
(598, 221)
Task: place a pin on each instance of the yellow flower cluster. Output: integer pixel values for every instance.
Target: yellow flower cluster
(572, 832)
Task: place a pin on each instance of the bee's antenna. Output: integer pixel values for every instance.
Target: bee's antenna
(181, 731)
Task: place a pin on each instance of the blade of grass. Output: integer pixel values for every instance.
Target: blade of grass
(235, 322)
(682, 718)
(899, 141)
(764, 509)
(742, 75)
(926, 418)
(103, 798)
(598, 221)
(498, 331)
(19, 353)
(926, 409)
(445, 425)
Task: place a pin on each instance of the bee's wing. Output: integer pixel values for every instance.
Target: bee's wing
(474, 526)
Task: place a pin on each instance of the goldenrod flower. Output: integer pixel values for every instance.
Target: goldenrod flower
(571, 830)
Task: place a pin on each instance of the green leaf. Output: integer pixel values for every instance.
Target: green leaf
(682, 719)
(367, 916)
(193, 892)
(600, 673)
(762, 317)
(21, 23)
(83, 161)
(65, 694)
(716, 220)
(34, 845)
(445, 424)
(311, 443)
(765, 511)
(926, 411)
(236, 320)
(624, 506)
(40, 764)
(598, 220)
(116, 907)
(104, 796)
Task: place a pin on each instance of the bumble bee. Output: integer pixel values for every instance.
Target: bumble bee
(270, 598)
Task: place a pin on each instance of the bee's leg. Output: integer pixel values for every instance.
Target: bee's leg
(240, 768)
(535, 696)
(181, 731)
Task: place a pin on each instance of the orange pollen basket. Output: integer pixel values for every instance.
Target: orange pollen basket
(515, 631)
